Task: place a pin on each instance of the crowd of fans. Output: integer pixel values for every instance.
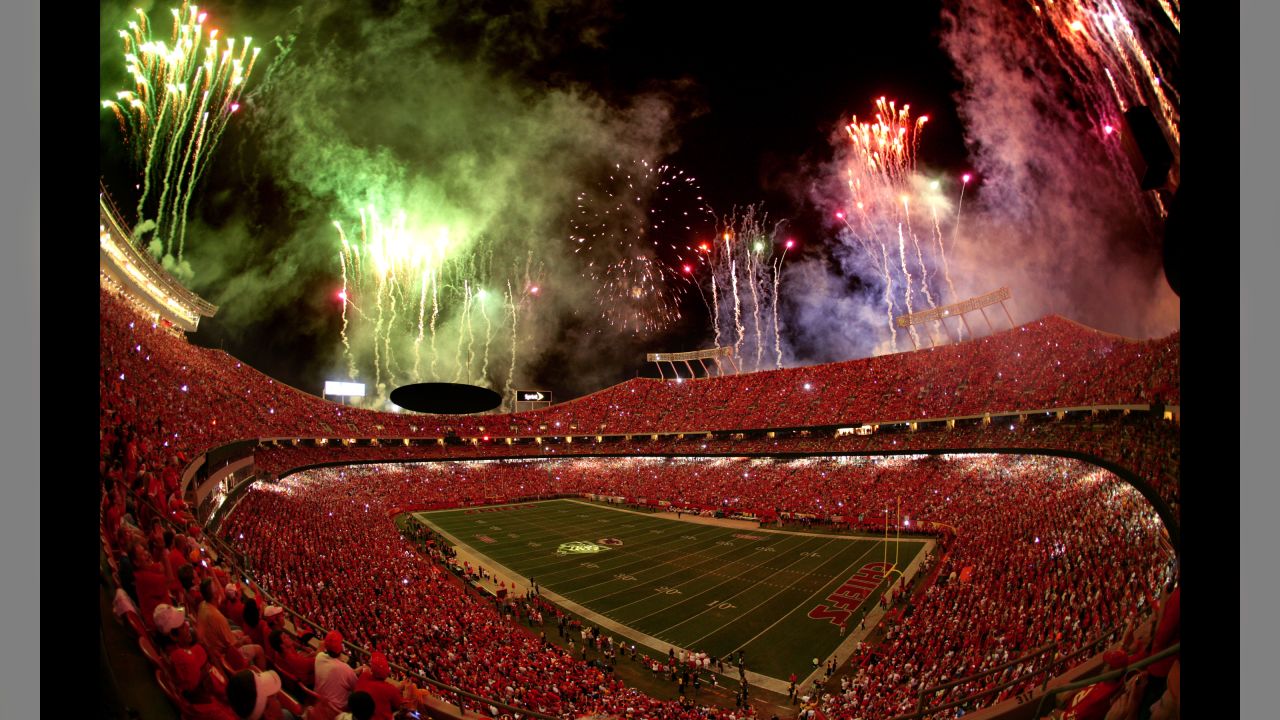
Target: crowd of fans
(1093, 561)
(1050, 363)
(1050, 550)
(1147, 446)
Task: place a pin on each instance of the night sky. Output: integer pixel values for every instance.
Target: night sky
(501, 117)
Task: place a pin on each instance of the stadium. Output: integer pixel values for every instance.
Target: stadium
(985, 524)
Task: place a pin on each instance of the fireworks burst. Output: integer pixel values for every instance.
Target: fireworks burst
(400, 280)
(185, 91)
(1114, 62)
(885, 191)
(745, 262)
(636, 232)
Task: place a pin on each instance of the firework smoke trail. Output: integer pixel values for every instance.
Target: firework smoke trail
(946, 266)
(422, 311)
(471, 335)
(464, 323)
(753, 265)
(937, 236)
(777, 278)
(377, 337)
(902, 253)
(435, 312)
(161, 213)
(193, 148)
(735, 258)
(392, 362)
(881, 263)
(168, 111)
(488, 338)
(924, 269)
(715, 309)
(737, 302)
(345, 297)
(1106, 62)
(221, 117)
(888, 299)
(511, 371)
(955, 229)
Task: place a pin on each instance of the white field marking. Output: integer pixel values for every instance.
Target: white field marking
(677, 571)
(662, 547)
(648, 563)
(745, 589)
(806, 603)
(629, 554)
(535, 527)
(753, 526)
(648, 560)
(586, 527)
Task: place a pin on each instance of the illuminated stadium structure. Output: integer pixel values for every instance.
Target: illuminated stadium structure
(225, 451)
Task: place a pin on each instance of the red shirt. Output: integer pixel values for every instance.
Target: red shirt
(302, 667)
(176, 559)
(152, 586)
(1092, 702)
(386, 698)
(188, 665)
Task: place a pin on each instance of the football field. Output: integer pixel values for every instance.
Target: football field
(777, 596)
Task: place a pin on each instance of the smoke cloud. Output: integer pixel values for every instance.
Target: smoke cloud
(445, 121)
(1059, 219)
(1055, 212)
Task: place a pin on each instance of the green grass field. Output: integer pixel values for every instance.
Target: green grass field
(689, 585)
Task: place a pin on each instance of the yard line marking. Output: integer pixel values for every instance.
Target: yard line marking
(809, 600)
(731, 550)
(735, 577)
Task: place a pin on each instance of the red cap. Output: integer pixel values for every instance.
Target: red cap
(1115, 659)
(333, 641)
(381, 668)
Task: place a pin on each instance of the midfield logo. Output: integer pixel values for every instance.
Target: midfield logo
(579, 547)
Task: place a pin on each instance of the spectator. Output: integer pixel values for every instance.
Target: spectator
(187, 658)
(255, 695)
(386, 697)
(253, 626)
(335, 680)
(289, 658)
(215, 633)
(233, 607)
(362, 707)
